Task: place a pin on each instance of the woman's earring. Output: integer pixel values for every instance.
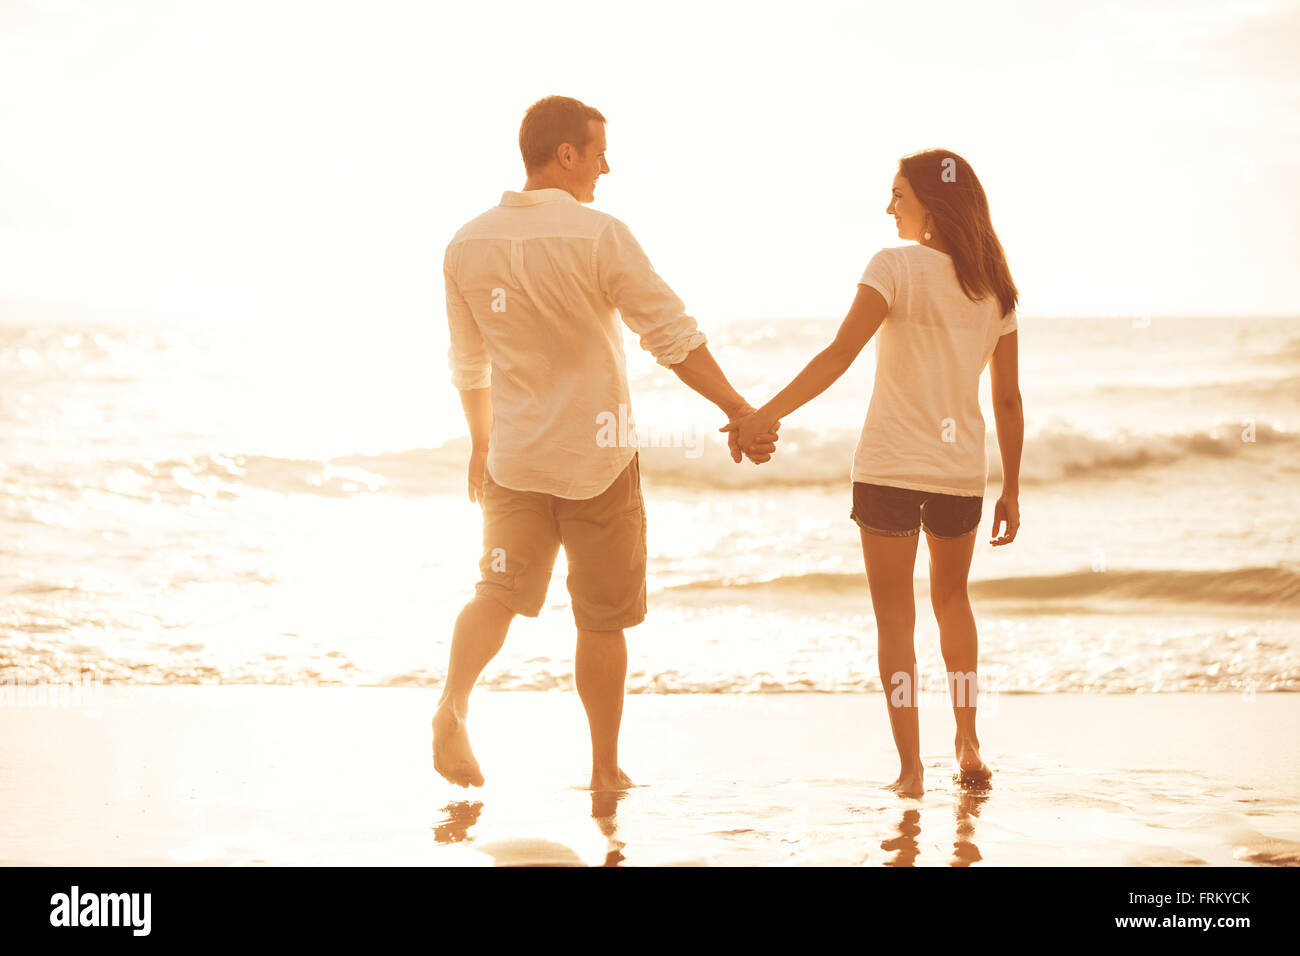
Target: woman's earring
(927, 233)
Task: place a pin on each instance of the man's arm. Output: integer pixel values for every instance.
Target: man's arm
(471, 373)
(701, 372)
(477, 403)
(652, 310)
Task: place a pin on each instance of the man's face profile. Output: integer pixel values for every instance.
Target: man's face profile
(590, 163)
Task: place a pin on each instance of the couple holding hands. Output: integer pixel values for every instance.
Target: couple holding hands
(536, 287)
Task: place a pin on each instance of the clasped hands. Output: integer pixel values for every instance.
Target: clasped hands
(751, 433)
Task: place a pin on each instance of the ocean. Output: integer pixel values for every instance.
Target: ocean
(230, 504)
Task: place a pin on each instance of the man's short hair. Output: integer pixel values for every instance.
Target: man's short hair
(551, 121)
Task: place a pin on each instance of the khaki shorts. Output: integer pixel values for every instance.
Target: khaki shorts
(604, 543)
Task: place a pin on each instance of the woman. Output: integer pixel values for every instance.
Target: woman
(944, 307)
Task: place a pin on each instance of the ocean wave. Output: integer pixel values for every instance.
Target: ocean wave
(216, 476)
(1291, 350)
(805, 458)
(1265, 588)
(1255, 386)
(1060, 451)
(808, 458)
(1052, 453)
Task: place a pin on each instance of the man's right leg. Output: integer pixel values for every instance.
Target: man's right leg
(605, 541)
(600, 670)
(480, 632)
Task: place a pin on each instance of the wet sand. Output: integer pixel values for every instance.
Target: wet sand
(267, 775)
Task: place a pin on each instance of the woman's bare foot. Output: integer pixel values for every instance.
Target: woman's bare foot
(452, 756)
(910, 783)
(970, 767)
(614, 779)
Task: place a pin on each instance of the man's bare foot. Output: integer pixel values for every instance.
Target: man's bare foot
(614, 779)
(910, 783)
(452, 756)
(971, 769)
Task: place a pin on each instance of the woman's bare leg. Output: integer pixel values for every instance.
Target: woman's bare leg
(890, 561)
(949, 568)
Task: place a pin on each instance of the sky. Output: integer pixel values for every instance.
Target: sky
(306, 163)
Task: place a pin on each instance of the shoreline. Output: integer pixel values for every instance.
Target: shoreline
(296, 775)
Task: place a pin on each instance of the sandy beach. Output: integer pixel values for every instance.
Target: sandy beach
(273, 775)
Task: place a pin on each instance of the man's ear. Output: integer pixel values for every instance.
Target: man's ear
(566, 155)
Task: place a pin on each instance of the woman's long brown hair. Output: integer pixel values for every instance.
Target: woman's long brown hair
(948, 187)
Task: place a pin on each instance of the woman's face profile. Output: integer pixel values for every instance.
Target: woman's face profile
(906, 209)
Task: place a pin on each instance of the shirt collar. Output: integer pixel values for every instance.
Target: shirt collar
(533, 197)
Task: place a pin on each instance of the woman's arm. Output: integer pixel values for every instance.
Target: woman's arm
(1009, 413)
(865, 316)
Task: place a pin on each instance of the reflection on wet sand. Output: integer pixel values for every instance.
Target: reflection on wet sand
(905, 843)
(458, 817)
(966, 808)
(461, 815)
(904, 846)
(604, 806)
(750, 791)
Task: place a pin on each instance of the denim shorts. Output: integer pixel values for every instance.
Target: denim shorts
(903, 512)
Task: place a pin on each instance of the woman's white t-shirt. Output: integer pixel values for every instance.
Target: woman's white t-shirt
(924, 428)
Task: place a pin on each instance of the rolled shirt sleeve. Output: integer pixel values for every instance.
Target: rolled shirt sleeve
(648, 306)
(467, 357)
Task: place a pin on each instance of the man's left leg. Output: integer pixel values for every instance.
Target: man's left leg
(520, 542)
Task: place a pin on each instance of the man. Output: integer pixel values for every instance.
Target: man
(535, 287)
